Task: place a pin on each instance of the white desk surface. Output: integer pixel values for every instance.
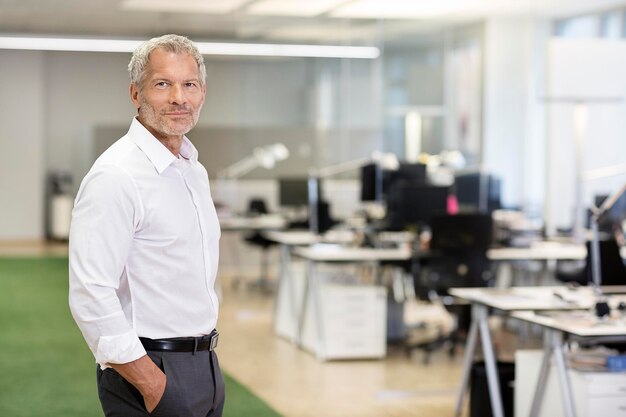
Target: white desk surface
(265, 222)
(528, 298)
(541, 251)
(336, 253)
(578, 323)
(305, 237)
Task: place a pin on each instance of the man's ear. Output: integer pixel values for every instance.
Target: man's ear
(134, 95)
(203, 92)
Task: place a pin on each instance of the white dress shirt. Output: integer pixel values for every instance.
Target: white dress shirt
(143, 249)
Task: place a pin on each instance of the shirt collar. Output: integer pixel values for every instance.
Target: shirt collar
(157, 153)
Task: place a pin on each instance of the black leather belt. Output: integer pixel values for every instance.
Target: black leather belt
(182, 344)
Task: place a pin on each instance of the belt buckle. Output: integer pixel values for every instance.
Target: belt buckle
(214, 338)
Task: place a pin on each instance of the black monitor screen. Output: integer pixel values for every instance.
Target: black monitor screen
(414, 204)
(478, 192)
(376, 181)
(469, 231)
(370, 182)
(411, 172)
(293, 192)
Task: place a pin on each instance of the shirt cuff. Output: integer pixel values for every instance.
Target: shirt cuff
(121, 348)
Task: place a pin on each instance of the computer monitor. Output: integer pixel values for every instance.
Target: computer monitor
(376, 181)
(414, 172)
(373, 176)
(477, 192)
(466, 232)
(414, 204)
(294, 192)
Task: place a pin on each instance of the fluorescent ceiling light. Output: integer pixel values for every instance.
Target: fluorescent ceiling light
(292, 7)
(206, 48)
(67, 44)
(318, 51)
(403, 9)
(184, 6)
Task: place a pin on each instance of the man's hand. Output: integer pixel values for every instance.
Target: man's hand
(152, 398)
(146, 377)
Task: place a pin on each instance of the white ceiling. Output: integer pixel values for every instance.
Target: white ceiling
(315, 21)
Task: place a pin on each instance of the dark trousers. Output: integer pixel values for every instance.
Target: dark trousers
(194, 388)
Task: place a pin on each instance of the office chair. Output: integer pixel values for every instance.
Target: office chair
(257, 207)
(457, 258)
(611, 266)
(324, 219)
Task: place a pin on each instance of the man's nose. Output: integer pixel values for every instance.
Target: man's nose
(177, 95)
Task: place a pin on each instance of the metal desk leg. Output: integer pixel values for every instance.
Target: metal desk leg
(479, 323)
(316, 289)
(285, 278)
(544, 372)
(490, 362)
(312, 289)
(559, 359)
(470, 348)
(305, 301)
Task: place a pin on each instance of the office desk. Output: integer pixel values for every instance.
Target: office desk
(582, 325)
(305, 237)
(540, 251)
(335, 253)
(243, 223)
(288, 239)
(545, 252)
(312, 287)
(507, 300)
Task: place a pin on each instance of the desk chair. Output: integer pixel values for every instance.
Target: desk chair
(257, 207)
(457, 258)
(324, 219)
(611, 265)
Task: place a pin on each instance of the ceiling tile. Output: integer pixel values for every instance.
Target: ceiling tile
(184, 6)
(322, 33)
(293, 7)
(400, 8)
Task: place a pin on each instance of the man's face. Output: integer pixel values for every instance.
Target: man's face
(171, 96)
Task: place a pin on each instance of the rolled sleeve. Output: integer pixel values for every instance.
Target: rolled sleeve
(106, 212)
(121, 348)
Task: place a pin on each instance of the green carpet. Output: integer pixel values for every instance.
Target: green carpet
(46, 368)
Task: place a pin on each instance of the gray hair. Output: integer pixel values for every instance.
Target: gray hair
(170, 43)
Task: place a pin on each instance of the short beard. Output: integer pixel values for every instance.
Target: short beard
(149, 115)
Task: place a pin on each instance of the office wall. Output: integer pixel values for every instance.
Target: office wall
(83, 90)
(22, 142)
(72, 96)
(514, 136)
(588, 74)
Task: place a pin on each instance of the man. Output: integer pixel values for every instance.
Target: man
(144, 249)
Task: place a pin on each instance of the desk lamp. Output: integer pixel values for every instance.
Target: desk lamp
(385, 160)
(265, 157)
(602, 307)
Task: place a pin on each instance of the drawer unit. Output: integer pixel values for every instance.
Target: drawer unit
(596, 394)
(353, 321)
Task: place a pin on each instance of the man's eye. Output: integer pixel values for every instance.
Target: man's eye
(190, 85)
(161, 84)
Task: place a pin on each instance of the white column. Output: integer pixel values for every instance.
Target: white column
(511, 121)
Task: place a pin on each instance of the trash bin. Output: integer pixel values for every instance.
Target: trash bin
(59, 205)
(480, 402)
